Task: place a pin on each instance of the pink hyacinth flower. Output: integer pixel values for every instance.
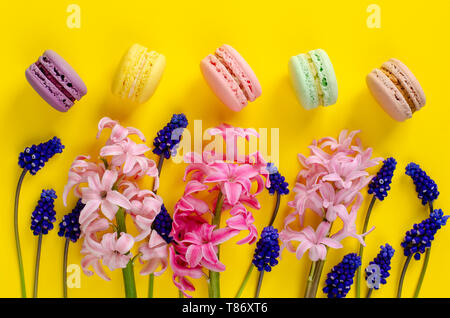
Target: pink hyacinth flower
(234, 179)
(118, 133)
(79, 171)
(349, 220)
(127, 153)
(314, 241)
(188, 202)
(181, 271)
(202, 246)
(242, 220)
(116, 250)
(100, 194)
(113, 252)
(154, 253)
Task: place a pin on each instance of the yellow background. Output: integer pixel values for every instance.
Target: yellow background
(266, 34)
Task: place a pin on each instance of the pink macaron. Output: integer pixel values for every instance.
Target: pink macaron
(396, 89)
(230, 77)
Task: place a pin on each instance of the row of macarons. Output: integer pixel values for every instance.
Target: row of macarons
(231, 78)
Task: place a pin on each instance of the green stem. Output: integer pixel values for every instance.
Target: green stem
(36, 268)
(128, 272)
(402, 277)
(180, 294)
(16, 234)
(151, 281)
(214, 277)
(244, 282)
(361, 247)
(425, 263)
(422, 273)
(258, 288)
(310, 280)
(369, 292)
(275, 211)
(314, 278)
(66, 253)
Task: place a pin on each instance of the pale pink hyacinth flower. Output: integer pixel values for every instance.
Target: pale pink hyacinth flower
(154, 254)
(314, 241)
(349, 220)
(107, 186)
(118, 133)
(329, 184)
(100, 194)
(116, 250)
(126, 153)
(145, 206)
(79, 171)
(111, 251)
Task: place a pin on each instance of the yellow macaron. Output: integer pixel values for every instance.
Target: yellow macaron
(138, 74)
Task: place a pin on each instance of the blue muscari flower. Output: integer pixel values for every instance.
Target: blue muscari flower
(340, 279)
(43, 215)
(383, 260)
(34, 158)
(163, 224)
(267, 250)
(426, 188)
(381, 183)
(421, 235)
(277, 181)
(70, 225)
(168, 138)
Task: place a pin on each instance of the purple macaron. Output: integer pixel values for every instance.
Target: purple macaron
(55, 81)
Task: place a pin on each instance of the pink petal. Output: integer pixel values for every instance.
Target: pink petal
(89, 208)
(194, 186)
(119, 199)
(193, 255)
(309, 233)
(323, 230)
(109, 210)
(139, 149)
(217, 267)
(331, 243)
(302, 248)
(217, 176)
(94, 183)
(105, 122)
(109, 242)
(135, 131)
(317, 252)
(111, 150)
(100, 271)
(208, 253)
(246, 171)
(149, 267)
(222, 235)
(124, 243)
(232, 192)
(108, 179)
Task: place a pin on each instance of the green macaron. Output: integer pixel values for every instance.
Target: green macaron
(313, 78)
